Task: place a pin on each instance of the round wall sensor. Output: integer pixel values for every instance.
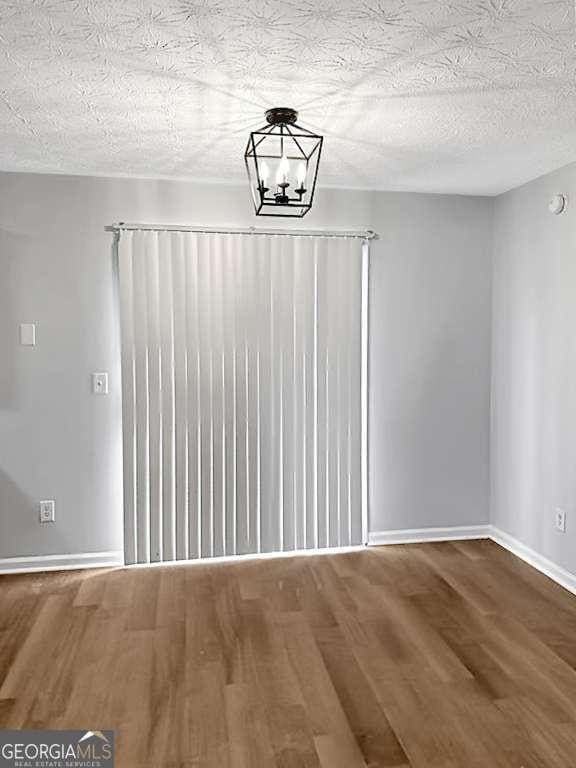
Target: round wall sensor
(558, 204)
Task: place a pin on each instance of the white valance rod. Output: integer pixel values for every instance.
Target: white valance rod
(365, 234)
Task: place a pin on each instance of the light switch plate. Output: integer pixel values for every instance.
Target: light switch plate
(100, 383)
(28, 334)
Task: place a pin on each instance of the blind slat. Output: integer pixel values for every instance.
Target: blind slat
(184, 376)
(126, 279)
(166, 319)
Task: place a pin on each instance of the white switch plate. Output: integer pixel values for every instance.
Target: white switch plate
(100, 383)
(48, 511)
(28, 334)
(560, 520)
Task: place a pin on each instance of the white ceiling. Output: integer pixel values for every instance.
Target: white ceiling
(471, 96)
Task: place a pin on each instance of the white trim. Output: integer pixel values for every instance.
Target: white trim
(419, 535)
(536, 560)
(363, 234)
(364, 331)
(35, 564)
(114, 559)
(459, 533)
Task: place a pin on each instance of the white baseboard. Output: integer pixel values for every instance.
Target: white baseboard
(61, 562)
(458, 533)
(114, 559)
(418, 535)
(536, 560)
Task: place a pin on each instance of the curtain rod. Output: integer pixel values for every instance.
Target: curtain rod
(366, 234)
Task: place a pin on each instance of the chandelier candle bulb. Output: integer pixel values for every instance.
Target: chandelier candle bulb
(282, 172)
(293, 152)
(264, 173)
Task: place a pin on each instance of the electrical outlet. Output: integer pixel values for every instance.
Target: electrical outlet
(560, 520)
(48, 511)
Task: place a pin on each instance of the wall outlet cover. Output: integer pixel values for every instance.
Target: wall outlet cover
(48, 511)
(560, 520)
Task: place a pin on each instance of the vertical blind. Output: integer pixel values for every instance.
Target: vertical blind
(242, 360)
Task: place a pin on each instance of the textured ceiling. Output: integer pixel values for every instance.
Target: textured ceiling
(472, 96)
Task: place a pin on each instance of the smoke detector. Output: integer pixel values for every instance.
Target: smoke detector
(558, 204)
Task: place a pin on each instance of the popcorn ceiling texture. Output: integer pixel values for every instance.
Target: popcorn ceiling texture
(469, 96)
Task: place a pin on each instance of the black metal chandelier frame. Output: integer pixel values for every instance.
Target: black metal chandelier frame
(273, 200)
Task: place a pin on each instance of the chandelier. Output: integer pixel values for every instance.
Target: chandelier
(282, 163)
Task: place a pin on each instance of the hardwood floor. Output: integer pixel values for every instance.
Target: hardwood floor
(453, 655)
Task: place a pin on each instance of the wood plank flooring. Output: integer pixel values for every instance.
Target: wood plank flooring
(452, 655)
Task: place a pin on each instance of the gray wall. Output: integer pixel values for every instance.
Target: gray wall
(533, 447)
(429, 350)
(430, 342)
